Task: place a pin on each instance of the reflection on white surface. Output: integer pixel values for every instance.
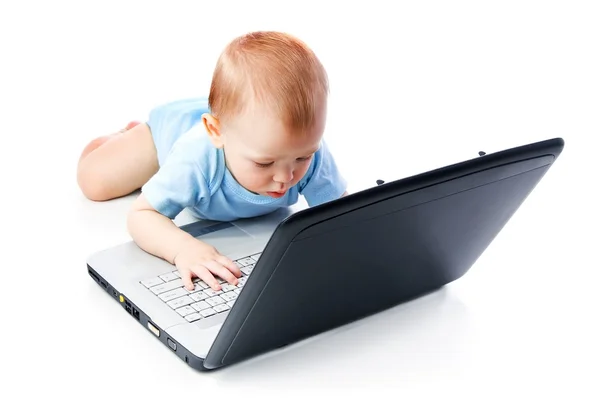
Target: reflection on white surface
(423, 336)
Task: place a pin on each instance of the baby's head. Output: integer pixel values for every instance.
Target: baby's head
(268, 101)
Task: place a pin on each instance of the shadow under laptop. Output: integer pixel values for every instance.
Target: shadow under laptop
(425, 335)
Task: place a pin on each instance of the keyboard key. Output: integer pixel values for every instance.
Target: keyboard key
(183, 311)
(195, 290)
(180, 302)
(151, 282)
(246, 261)
(211, 293)
(199, 296)
(171, 295)
(202, 284)
(193, 317)
(169, 277)
(199, 306)
(215, 301)
(227, 287)
(255, 256)
(163, 288)
(230, 303)
(228, 296)
(207, 312)
(247, 269)
(221, 307)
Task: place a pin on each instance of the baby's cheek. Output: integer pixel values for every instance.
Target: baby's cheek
(256, 178)
(300, 172)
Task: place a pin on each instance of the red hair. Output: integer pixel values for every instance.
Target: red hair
(273, 68)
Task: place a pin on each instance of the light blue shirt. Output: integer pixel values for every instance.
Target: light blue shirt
(192, 172)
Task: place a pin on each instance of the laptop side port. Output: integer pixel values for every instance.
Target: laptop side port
(94, 275)
(153, 329)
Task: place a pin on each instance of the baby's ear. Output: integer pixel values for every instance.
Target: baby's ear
(213, 128)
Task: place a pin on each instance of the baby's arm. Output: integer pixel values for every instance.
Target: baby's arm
(323, 181)
(158, 235)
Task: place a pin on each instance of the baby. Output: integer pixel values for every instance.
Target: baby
(248, 149)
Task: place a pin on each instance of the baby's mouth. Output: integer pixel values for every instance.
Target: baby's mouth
(276, 194)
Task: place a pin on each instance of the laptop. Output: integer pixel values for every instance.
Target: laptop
(306, 269)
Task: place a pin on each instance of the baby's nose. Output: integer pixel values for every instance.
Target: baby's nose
(283, 176)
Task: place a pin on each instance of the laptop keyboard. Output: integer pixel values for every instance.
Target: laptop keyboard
(202, 302)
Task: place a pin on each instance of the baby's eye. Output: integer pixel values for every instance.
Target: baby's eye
(304, 158)
(261, 165)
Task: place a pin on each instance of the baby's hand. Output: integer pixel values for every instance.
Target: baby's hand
(197, 258)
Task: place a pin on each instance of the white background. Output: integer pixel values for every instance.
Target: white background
(414, 86)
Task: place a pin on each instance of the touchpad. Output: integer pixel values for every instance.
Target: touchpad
(224, 236)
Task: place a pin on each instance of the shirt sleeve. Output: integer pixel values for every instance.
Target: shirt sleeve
(323, 181)
(178, 184)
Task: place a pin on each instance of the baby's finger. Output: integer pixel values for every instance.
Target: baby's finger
(227, 262)
(186, 277)
(217, 268)
(205, 274)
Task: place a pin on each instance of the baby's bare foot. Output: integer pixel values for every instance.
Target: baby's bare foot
(130, 126)
(97, 142)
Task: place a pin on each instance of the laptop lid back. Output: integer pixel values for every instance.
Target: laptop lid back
(344, 260)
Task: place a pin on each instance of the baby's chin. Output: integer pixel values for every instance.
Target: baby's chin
(255, 191)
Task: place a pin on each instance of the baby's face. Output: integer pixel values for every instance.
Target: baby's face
(264, 156)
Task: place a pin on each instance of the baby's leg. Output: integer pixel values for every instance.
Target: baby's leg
(97, 142)
(116, 165)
